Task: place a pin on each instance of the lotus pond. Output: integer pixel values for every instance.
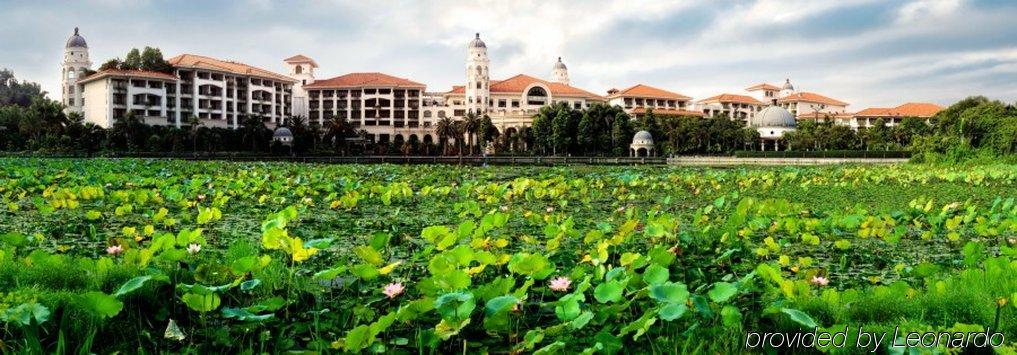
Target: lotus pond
(206, 257)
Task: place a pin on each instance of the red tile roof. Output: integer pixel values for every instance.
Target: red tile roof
(667, 112)
(811, 97)
(518, 83)
(208, 63)
(741, 99)
(762, 86)
(300, 58)
(129, 74)
(641, 90)
(910, 109)
(356, 80)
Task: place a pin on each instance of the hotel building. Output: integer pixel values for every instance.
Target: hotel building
(217, 92)
(391, 108)
(640, 99)
(894, 115)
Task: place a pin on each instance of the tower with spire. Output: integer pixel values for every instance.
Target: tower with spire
(478, 88)
(74, 65)
(560, 73)
(787, 89)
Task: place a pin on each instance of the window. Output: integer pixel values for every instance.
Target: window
(299, 69)
(536, 96)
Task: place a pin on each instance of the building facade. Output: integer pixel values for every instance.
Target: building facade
(734, 106)
(893, 116)
(388, 108)
(639, 99)
(216, 92)
(111, 94)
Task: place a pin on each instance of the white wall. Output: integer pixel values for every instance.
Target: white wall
(97, 106)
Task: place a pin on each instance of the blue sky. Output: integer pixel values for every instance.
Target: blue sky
(865, 52)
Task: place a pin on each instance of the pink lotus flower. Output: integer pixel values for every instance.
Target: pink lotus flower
(393, 289)
(819, 280)
(560, 284)
(193, 248)
(114, 249)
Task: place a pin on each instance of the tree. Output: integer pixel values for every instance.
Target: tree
(486, 131)
(561, 138)
(470, 124)
(541, 130)
(336, 131)
(586, 134)
(17, 93)
(127, 127)
(621, 133)
(194, 124)
(253, 130)
(445, 128)
(132, 61)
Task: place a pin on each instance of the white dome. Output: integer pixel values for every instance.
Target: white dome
(477, 43)
(642, 137)
(559, 64)
(774, 116)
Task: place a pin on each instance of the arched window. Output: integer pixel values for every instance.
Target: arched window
(480, 71)
(300, 69)
(71, 74)
(479, 85)
(536, 96)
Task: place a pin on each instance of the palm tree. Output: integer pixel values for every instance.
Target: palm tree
(194, 123)
(127, 125)
(253, 128)
(470, 125)
(336, 131)
(445, 128)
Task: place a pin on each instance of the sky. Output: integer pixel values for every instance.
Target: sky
(868, 53)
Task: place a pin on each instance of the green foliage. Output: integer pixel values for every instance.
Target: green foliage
(234, 257)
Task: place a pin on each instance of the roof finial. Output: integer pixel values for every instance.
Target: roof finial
(75, 31)
(559, 59)
(478, 35)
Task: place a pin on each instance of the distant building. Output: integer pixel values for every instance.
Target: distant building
(734, 106)
(639, 99)
(894, 115)
(111, 94)
(393, 109)
(387, 107)
(217, 92)
(801, 105)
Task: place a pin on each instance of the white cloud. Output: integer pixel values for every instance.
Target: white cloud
(927, 10)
